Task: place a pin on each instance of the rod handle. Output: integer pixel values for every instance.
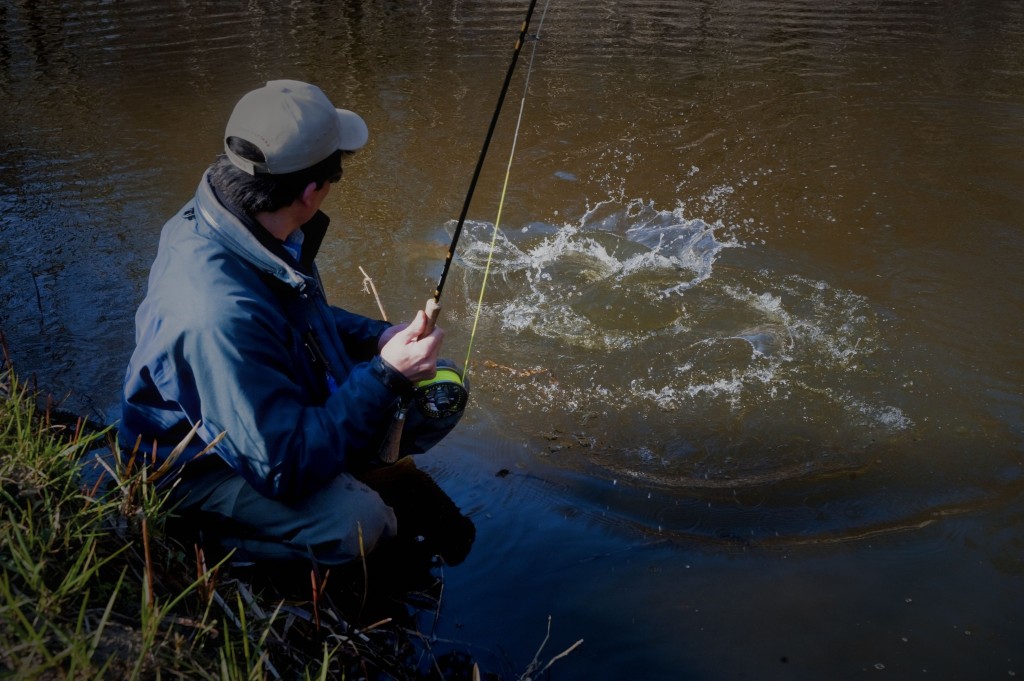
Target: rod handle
(433, 311)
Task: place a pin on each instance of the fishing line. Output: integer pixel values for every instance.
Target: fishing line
(504, 189)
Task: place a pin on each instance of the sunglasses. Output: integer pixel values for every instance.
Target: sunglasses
(336, 177)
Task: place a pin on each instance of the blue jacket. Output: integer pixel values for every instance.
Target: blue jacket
(236, 334)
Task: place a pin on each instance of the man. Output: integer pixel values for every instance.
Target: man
(236, 339)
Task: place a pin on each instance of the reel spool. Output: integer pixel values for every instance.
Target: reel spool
(446, 394)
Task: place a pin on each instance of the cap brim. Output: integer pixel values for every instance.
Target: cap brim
(354, 132)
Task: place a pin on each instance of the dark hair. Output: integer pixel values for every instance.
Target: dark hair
(261, 192)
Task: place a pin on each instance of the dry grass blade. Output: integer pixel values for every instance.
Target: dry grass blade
(532, 668)
(369, 287)
(168, 464)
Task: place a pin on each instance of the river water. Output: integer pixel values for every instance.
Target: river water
(747, 372)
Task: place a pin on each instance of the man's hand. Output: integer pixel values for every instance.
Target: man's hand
(404, 349)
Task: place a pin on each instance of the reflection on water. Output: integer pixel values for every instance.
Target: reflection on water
(758, 279)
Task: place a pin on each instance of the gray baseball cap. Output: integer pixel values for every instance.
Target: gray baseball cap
(294, 124)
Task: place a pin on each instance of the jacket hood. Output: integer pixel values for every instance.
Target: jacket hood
(252, 242)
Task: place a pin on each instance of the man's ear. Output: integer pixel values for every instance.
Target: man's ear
(307, 194)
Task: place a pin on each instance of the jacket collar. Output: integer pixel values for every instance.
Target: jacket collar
(250, 240)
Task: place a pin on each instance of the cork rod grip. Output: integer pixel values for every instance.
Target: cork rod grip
(433, 310)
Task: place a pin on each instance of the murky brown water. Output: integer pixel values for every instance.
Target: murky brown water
(751, 345)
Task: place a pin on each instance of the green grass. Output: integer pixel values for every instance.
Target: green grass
(92, 588)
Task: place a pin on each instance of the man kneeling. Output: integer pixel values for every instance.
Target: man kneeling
(235, 336)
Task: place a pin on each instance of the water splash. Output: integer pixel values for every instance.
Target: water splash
(633, 329)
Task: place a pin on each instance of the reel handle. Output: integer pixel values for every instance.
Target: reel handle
(433, 311)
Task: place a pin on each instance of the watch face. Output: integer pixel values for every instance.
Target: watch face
(440, 399)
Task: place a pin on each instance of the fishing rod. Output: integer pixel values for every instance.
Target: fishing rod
(446, 394)
(433, 306)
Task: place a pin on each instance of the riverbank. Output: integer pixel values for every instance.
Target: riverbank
(98, 582)
(91, 587)
(94, 586)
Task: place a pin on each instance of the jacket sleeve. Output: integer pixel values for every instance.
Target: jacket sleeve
(359, 334)
(281, 442)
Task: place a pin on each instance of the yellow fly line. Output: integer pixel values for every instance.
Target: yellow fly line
(504, 191)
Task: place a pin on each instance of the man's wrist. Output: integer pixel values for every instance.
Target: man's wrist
(391, 377)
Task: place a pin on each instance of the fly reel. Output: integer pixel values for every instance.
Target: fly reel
(443, 395)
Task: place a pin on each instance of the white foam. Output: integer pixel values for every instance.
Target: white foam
(629, 310)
